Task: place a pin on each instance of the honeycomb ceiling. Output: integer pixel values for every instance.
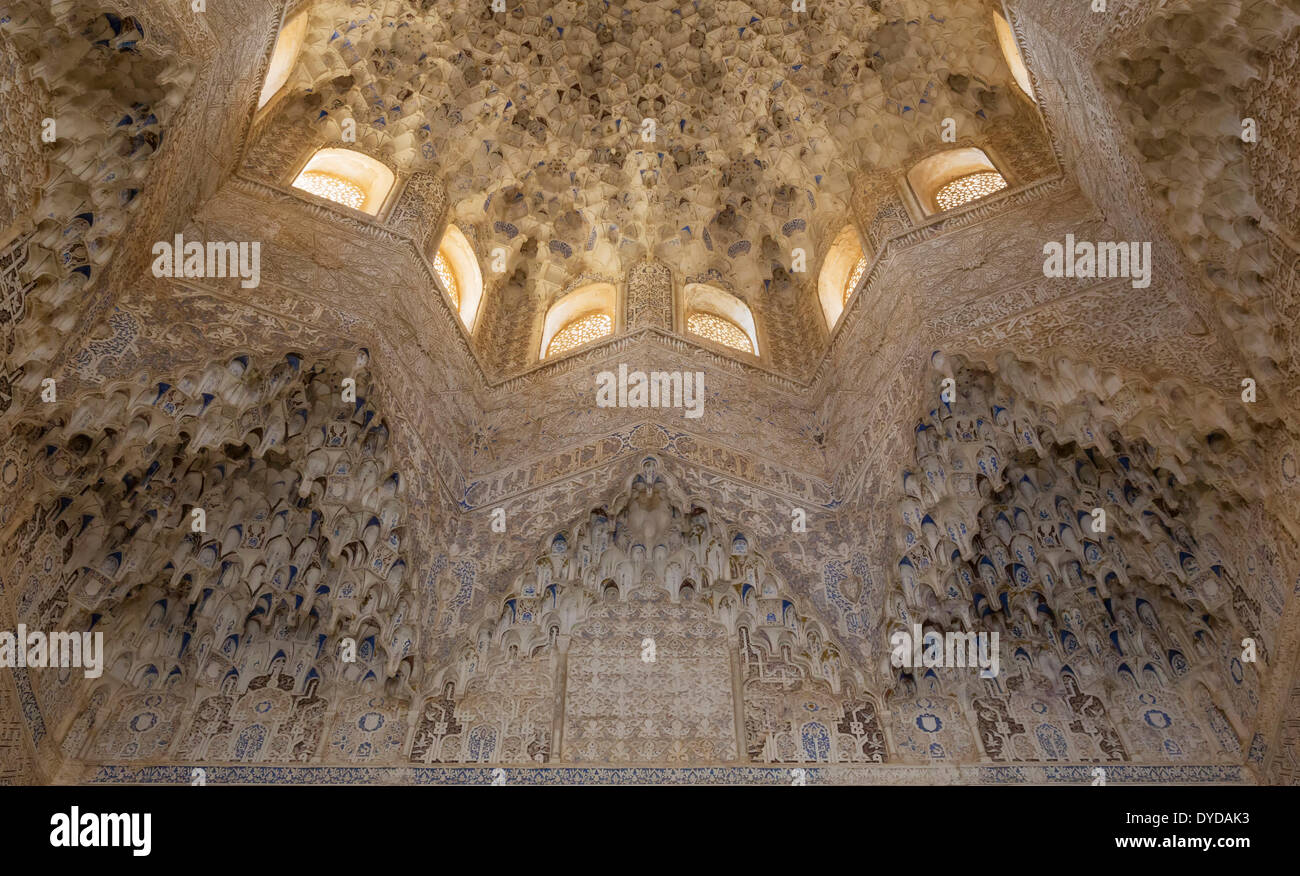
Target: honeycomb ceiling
(762, 117)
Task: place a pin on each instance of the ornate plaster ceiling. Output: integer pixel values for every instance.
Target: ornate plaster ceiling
(773, 129)
(762, 117)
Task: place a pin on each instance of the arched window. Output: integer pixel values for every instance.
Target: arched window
(456, 265)
(720, 317)
(347, 177)
(969, 188)
(332, 188)
(283, 57)
(584, 315)
(1011, 52)
(859, 268)
(953, 179)
(719, 330)
(442, 268)
(841, 272)
(581, 330)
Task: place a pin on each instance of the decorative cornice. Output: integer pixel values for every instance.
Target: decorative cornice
(632, 444)
(652, 774)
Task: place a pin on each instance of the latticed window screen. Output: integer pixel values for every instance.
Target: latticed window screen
(448, 277)
(969, 188)
(858, 270)
(332, 188)
(582, 330)
(706, 325)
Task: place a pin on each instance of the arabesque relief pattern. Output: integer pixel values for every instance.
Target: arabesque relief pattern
(656, 590)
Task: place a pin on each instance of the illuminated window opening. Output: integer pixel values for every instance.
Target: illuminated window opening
(1011, 52)
(719, 330)
(858, 270)
(955, 178)
(841, 272)
(283, 57)
(347, 177)
(582, 316)
(443, 269)
(332, 188)
(457, 267)
(582, 330)
(720, 317)
(963, 190)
